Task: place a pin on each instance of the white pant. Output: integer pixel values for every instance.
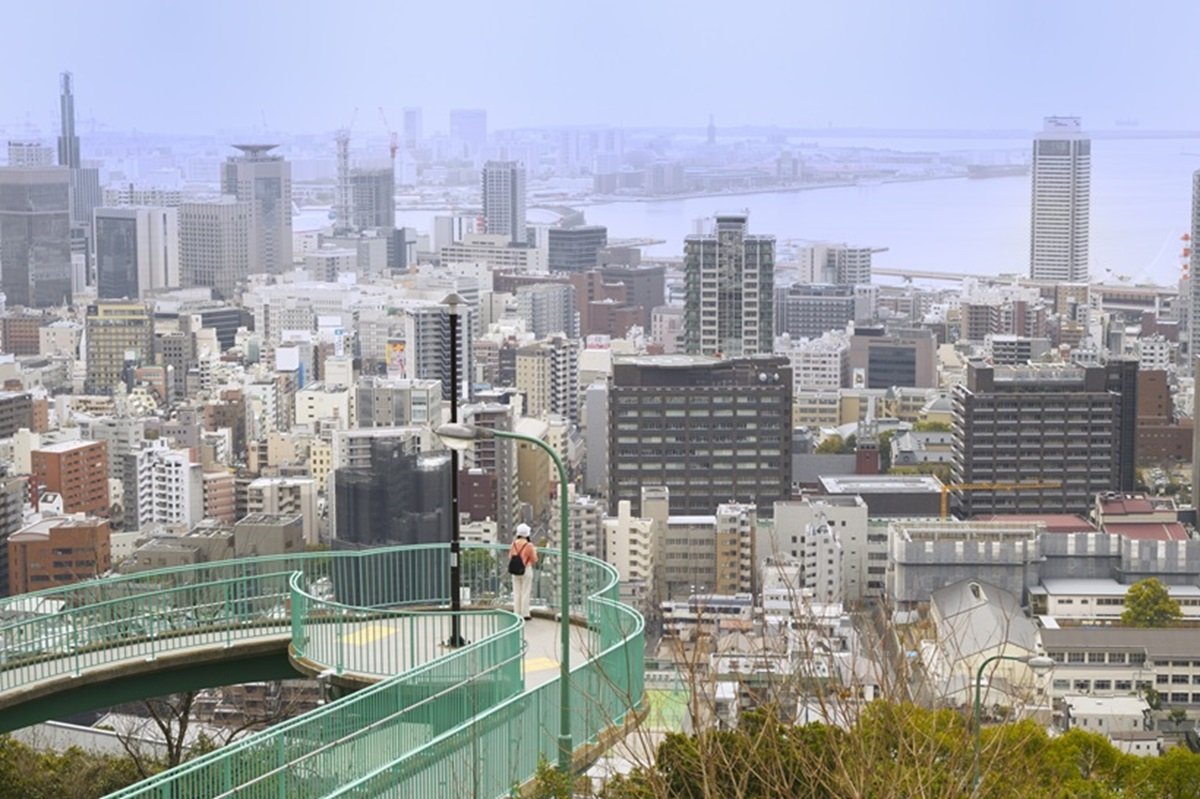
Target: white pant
(522, 590)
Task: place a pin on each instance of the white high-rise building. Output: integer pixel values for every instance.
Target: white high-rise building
(504, 199)
(1062, 189)
(730, 287)
(548, 376)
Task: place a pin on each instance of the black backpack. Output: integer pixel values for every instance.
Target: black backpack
(516, 564)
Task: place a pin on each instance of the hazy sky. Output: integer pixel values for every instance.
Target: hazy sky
(204, 65)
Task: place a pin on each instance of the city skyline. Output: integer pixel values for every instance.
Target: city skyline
(922, 66)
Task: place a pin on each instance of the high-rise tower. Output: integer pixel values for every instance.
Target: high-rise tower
(68, 142)
(264, 181)
(35, 235)
(729, 279)
(504, 199)
(85, 181)
(1062, 188)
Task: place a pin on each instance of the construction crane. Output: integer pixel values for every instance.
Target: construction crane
(947, 488)
(393, 138)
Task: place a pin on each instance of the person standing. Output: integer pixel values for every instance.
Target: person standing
(522, 556)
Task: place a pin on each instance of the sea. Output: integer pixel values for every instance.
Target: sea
(1140, 207)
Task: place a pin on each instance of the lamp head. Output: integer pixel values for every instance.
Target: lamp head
(1040, 664)
(461, 437)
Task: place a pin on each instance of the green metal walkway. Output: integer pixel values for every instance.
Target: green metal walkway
(432, 722)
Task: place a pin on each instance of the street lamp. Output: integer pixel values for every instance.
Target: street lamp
(453, 302)
(1038, 664)
(462, 437)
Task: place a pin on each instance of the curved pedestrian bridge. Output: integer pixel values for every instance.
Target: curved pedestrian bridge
(413, 717)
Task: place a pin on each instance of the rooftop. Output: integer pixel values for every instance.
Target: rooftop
(1054, 522)
(1101, 586)
(65, 446)
(1148, 531)
(1082, 705)
(1178, 643)
(882, 484)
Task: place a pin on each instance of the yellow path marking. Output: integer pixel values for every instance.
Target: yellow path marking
(368, 635)
(540, 664)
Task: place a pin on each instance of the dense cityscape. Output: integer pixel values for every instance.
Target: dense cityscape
(277, 409)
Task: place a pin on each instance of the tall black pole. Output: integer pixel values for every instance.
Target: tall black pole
(453, 301)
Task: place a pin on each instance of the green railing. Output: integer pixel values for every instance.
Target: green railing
(417, 732)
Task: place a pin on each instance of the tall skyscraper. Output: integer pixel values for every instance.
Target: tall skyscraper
(468, 129)
(1062, 189)
(412, 127)
(85, 181)
(137, 250)
(214, 245)
(35, 235)
(264, 181)
(504, 199)
(729, 282)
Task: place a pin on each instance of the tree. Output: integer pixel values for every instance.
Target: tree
(831, 445)
(926, 426)
(1149, 604)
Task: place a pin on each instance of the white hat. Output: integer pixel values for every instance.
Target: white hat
(523, 531)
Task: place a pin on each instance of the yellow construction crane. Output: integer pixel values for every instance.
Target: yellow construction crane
(947, 488)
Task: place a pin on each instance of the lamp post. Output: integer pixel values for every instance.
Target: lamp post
(1039, 664)
(461, 437)
(452, 302)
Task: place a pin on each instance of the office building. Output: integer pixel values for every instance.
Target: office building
(729, 286)
(16, 411)
(548, 308)
(645, 286)
(396, 402)
(808, 310)
(265, 182)
(58, 551)
(575, 249)
(215, 245)
(1074, 425)
(468, 131)
(548, 376)
(75, 470)
(137, 251)
(373, 198)
(498, 252)
(710, 430)
(504, 200)
(172, 489)
(819, 364)
(412, 127)
(1061, 207)
(629, 544)
(120, 337)
(887, 358)
(29, 153)
(712, 553)
(35, 236)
